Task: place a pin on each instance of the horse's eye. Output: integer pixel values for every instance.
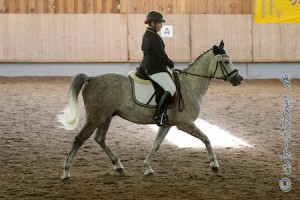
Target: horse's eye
(227, 62)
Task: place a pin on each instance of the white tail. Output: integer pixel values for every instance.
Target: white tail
(69, 116)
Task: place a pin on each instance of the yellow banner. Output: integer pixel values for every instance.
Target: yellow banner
(277, 11)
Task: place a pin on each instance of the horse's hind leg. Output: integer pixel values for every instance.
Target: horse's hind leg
(100, 138)
(83, 135)
(160, 136)
(193, 130)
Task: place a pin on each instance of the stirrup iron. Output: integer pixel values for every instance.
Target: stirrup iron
(163, 118)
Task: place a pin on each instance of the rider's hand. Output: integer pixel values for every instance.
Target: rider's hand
(170, 63)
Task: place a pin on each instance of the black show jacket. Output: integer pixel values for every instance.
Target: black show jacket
(155, 58)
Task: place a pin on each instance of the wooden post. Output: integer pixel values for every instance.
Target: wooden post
(79, 6)
(69, 6)
(23, 6)
(11, 4)
(41, 7)
(89, 6)
(32, 7)
(51, 6)
(3, 6)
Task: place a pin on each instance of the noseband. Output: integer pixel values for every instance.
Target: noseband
(224, 70)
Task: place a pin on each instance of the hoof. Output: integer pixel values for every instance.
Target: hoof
(120, 170)
(65, 177)
(214, 167)
(149, 172)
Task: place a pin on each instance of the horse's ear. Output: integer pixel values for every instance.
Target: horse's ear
(216, 50)
(219, 49)
(221, 46)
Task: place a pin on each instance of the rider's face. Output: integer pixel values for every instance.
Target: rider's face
(157, 25)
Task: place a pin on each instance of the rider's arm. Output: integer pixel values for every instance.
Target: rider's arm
(159, 51)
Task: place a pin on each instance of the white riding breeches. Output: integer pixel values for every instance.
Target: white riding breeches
(165, 81)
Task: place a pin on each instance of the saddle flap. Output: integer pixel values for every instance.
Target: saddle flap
(145, 92)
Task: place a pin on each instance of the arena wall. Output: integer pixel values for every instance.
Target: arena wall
(127, 6)
(117, 38)
(107, 33)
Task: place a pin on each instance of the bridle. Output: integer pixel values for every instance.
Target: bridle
(225, 77)
(219, 63)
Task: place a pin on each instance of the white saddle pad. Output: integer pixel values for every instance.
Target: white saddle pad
(142, 91)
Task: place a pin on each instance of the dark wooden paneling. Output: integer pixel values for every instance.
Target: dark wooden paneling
(128, 6)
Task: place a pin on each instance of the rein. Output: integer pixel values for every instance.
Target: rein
(178, 71)
(178, 89)
(225, 76)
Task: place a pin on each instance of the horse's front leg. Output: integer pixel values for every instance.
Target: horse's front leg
(193, 130)
(161, 134)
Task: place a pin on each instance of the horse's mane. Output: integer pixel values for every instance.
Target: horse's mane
(194, 61)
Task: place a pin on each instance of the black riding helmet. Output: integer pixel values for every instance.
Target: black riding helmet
(155, 17)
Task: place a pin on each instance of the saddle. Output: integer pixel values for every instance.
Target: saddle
(146, 92)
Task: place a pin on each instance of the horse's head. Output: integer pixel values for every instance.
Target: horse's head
(224, 69)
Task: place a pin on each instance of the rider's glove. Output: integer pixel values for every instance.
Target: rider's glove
(170, 63)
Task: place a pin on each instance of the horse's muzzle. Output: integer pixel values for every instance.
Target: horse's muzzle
(237, 80)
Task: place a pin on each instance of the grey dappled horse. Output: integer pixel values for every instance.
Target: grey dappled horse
(110, 94)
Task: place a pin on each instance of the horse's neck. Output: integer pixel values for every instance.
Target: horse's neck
(201, 65)
(198, 85)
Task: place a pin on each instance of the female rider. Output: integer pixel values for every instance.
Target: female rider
(155, 61)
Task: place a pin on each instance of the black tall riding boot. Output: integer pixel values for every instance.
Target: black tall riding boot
(158, 117)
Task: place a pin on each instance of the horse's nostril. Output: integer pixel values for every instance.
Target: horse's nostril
(242, 78)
